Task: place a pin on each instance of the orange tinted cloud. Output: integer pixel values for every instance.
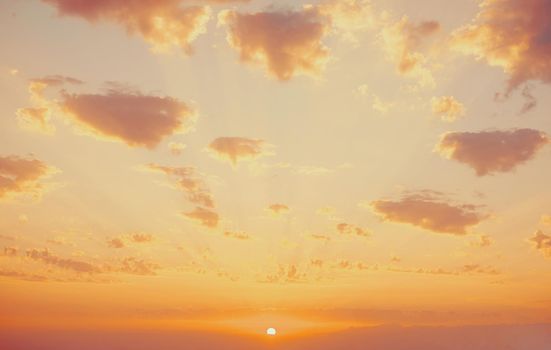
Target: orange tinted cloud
(447, 108)
(278, 208)
(190, 182)
(128, 116)
(21, 175)
(349, 229)
(402, 42)
(141, 237)
(203, 216)
(115, 243)
(285, 43)
(430, 211)
(136, 266)
(542, 242)
(162, 23)
(235, 149)
(176, 148)
(64, 263)
(488, 152)
(513, 35)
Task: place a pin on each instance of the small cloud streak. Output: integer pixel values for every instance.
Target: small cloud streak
(348, 229)
(235, 149)
(237, 235)
(489, 152)
(48, 258)
(429, 211)
(189, 181)
(203, 216)
(278, 208)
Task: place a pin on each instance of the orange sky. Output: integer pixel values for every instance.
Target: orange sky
(233, 165)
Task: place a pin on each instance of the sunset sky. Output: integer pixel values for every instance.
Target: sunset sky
(234, 165)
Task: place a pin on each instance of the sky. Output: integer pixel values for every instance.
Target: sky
(313, 166)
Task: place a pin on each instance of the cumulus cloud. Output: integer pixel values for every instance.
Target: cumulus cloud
(348, 229)
(10, 251)
(39, 116)
(430, 211)
(278, 208)
(403, 41)
(489, 152)
(542, 243)
(189, 181)
(48, 258)
(164, 24)
(131, 117)
(203, 216)
(22, 175)
(285, 43)
(447, 108)
(513, 35)
(235, 149)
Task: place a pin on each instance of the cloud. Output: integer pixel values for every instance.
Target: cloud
(447, 108)
(348, 16)
(203, 216)
(56, 80)
(164, 24)
(176, 148)
(141, 237)
(482, 241)
(131, 117)
(545, 220)
(429, 211)
(513, 35)
(237, 235)
(48, 258)
(542, 242)
(135, 266)
(278, 208)
(235, 149)
(116, 243)
(403, 40)
(489, 152)
(285, 274)
(189, 181)
(10, 251)
(348, 229)
(22, 175)
(285, 43)
(320, 237)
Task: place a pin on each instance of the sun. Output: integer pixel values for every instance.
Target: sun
(271, 331)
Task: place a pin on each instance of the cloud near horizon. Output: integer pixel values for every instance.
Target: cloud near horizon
(429, 211)
(20, 175)
(489, 152)
(278, 208)
(349, 229)
(513, 35)
(163, 24)
(236, 149)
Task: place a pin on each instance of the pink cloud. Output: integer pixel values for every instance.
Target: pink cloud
(203, 216)
(489, 152)
(429, 211)
(235, 149)
(22, 175)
